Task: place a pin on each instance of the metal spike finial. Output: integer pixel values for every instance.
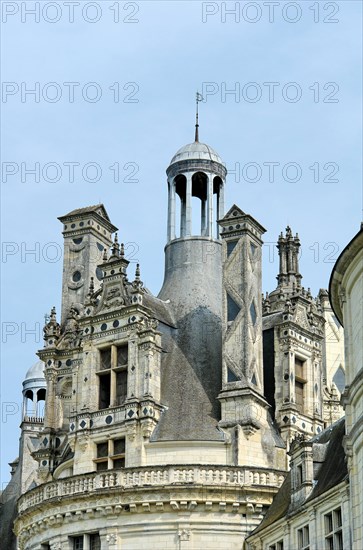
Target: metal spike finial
(91, 286)
(115, 246)
(198, 98)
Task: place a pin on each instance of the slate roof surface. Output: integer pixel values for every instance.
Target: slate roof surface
(196, 150)
(270, 320)
(193, 409)
(161, 310)
(334, 469)
(88, 209)
(332, 472)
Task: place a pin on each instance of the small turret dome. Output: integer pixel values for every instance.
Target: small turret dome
(196, 151)
(35, 372)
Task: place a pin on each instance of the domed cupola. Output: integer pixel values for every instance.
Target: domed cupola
(34, 390)
(196, 170)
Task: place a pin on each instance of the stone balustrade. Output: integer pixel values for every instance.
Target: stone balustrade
(129, 478)
(34, 419)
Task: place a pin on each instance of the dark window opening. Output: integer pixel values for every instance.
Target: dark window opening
(122, 356)
(121, 387)
(106, 358)
(231, 245)
(269, 368)
(233, 309)
(104, 394)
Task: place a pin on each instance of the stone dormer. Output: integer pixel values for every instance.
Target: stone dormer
(302, 469)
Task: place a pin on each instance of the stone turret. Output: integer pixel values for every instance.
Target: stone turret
(193, 287)
(293, 334)
(87, 233)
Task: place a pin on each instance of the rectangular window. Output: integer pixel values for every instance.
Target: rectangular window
(121, 387)
(78, 543)
(104, 393)
(110, 455)
(277, 546)
(105, 358)
(118, 457)
(333, 530)
(90, 541)
(303, 538)
(102, 457)
(300, 381)
(122, 356)
(95, 542)
(112, 376)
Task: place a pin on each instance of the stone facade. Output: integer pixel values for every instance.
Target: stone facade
(346, 290)
(320, 503)
(168, 419)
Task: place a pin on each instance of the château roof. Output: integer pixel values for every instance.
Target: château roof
(331, 472)
(196, 151)
(97, 208)
(35, 372)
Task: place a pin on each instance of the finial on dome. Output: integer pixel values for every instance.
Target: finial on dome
(116, 246)
(199, 98)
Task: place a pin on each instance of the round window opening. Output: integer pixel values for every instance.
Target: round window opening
(76, 276)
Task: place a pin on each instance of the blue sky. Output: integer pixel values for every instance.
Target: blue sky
(156, 57)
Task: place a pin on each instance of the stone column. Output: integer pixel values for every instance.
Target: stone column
(50, 412)
(203, 224)
(183, 217)
(291, 363)
(283, 262)
(290, 259)
(86, 542)
(312, 530)
(132, 368)
(347, 516)
(188, 206)
(221, 202)
(210, 205)
(171, 210)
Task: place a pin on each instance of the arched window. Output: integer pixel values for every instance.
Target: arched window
(218, 205)
(180, 211)
(40, 403)
(199, 209)
(29, 403)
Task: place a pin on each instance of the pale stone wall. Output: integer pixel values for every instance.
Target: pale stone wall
(352, 301)
(191, 505)
(311, 515)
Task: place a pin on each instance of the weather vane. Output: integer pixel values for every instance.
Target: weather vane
(198, 98)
